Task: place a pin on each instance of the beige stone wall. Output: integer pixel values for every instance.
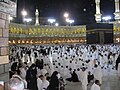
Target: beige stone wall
(4, 35)
(4, 57)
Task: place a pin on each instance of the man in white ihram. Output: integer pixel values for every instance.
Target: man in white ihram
(119, 71)
(45, 83)
(84, 79)
(98, 73)
(39, 82)
(95, 86)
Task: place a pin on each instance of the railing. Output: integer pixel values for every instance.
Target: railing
(18, 30)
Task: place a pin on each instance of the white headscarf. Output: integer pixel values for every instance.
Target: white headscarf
(16, 83)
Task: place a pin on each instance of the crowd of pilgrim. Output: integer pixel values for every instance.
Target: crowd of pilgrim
(50, 67)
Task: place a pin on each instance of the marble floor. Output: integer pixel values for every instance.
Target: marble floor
(110, 82)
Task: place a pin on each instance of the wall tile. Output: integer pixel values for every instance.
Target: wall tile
(2, 23)
(4, 59)
(1, 69)
(7, 17)
(7, 24)
(3, 16)
(4, 51)
(6, 33)
(1, 32)
(3, 41)
(4, 77)
(7, 66)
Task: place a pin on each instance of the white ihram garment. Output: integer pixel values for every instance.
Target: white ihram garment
(98, 74)
(119, 69)
(39, 84)
(84, 80)
(45, 84)
(95, 87)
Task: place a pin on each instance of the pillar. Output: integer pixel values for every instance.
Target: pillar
(37, 17)
(117, 10)
(98, 14)
(4, 49)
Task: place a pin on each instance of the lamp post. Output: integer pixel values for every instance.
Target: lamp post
(66, 15)
(51, 21)
(27, 20)
(24, 14)
(70, 21)
(107, 18)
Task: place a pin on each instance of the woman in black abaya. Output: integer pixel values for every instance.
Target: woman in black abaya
(54, 82)
(74, 77)
(31, 78)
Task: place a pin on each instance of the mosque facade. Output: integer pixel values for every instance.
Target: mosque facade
(22, 34)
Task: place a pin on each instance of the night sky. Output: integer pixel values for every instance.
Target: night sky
(82, 11)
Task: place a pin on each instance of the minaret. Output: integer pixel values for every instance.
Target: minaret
(117, 10)
(37, 18)
(98, 14)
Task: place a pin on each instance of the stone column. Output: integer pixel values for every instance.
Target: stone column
(4, 49)
(98, 14)
(37, 17)
(117, 10)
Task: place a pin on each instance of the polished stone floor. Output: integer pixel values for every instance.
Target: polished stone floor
(110, 82)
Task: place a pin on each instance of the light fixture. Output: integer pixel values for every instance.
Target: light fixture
(51, 20)
(106, 18)
(24, 13)
(66, 15)
(10, 18)
(56, 24)
(70, 21)
(27, 19)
